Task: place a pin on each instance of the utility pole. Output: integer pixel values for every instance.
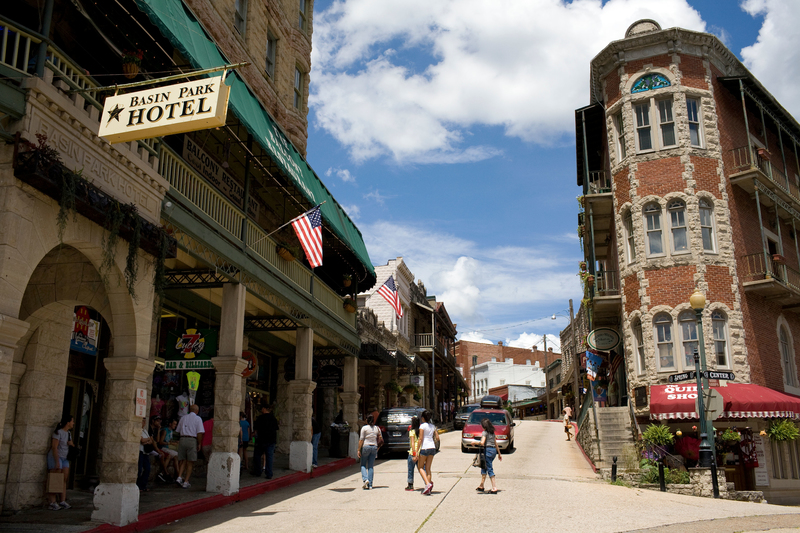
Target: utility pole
(546, 385)
(577, 361)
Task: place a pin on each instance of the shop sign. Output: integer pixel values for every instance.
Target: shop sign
(189, 106)
(418, 380)
(85, 332)
(190, 349)
(141, 403)
(211, 170)
(760, 471)
(330, 376)
(252, 364)
(603, 339)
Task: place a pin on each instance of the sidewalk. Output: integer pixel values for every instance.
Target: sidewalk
(165, 503)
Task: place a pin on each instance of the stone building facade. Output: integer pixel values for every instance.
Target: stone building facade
(690, 174)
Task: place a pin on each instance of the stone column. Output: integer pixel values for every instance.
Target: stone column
(300, 389)
(116, 498)
(11, 331)
(39, 404)
(223, 467)
(350, 398)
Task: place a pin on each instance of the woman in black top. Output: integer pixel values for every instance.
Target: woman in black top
(489, 441)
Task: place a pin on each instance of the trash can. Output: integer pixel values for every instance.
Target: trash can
(340, 440)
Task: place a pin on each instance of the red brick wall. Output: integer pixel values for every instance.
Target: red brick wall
(464, 350)
(633, 67)
(670, 286)
(660, 177)
(719, 281)
(632, 300)
(705, 174)
(612, 88)
(693, 72)
(622, 187)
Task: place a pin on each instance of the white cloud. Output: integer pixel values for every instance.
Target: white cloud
(473, 336)
(341, 173)
(353, 211)
(377, 196)
(775, 57)
(409, 78)
(527, 340)
(477, 284)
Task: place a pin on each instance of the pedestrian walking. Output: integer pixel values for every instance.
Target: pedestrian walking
(316, 434)
(413, 437)
(57, 461)
(489, 445)
(244, 438)
(426, 449)
(191, 429)
(567, 424)
(266, 431)
(368, 444)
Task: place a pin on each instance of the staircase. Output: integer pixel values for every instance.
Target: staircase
(616, 439)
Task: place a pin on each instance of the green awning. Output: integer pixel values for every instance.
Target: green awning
(186, 34)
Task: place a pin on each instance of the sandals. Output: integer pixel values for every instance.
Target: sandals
(493, 491)
(480, 489)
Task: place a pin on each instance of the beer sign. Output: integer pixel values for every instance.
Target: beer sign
(190, 349)
(189, 106)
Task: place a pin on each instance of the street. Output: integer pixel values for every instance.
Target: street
(545, 485)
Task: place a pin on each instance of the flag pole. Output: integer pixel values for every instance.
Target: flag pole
(283, 226)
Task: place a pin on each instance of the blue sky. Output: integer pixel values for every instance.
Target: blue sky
(445, 129)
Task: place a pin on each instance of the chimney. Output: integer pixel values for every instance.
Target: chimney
(549, 349)
(499, 343)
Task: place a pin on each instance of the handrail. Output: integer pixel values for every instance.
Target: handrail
(633, 418)
(588, 400)
(599, 182)
(606, 282)
(742, 159)
(332, 301)
(27, 38)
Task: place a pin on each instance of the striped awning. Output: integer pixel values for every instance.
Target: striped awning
(740, 400)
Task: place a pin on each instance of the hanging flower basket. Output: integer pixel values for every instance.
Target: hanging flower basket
(286, 251)
(590, 281)
(350, 305)
(763, 153)
(347, 280)
(131, 61)
(778, 258)
(130, 70)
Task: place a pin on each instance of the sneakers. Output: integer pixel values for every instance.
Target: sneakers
(64, 505)
(179, 480)
(314, 465)
(428, 488)
(410, 487)
(185, 485)
(365, 486)
(54, 506)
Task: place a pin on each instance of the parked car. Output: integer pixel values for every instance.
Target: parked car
(491, 402)
(394, 424)
(462, 414)
(503, 430)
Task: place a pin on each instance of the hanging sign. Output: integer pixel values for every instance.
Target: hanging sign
(252, 364)
(418, 380)
(189, 106)
(84, 332)
(190, 349)
(603, 339)
(330, 376)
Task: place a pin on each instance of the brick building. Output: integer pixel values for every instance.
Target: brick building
(691, 181)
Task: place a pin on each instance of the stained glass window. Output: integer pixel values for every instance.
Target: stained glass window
(649, 82)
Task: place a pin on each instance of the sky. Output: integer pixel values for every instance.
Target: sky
(446, 130)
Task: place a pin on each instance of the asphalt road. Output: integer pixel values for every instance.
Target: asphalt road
(545, 485)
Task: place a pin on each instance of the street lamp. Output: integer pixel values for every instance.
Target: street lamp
(577, 362)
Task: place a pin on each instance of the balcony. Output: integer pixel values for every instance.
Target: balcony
(606, 301)
(598, 218)
(599, 182)
(748, 164)
(771, 279)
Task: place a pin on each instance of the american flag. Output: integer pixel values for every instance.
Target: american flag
(389, 291)
(308, 227)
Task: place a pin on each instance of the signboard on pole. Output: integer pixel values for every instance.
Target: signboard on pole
(683, 376)
(190, 106)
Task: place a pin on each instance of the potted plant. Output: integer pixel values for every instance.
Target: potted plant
(347, 280)
(730, 438)
(656, 436)
(349, 304)
(131, 61)
(392, 386)
(783, 430)
(583, 266)
(763, 153)
(590, 281)
(287, 252)
(779, 259)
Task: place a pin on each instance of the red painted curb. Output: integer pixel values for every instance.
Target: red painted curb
(176, 512)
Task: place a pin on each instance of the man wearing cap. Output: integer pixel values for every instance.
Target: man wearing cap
(191, 430)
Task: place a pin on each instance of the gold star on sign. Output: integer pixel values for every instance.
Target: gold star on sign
(114, 113)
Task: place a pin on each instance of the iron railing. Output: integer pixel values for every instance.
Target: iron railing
(742, 159)
(599, 182)
(16, 46)
(757, 267)
(607, 283)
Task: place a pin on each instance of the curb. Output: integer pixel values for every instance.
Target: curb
(577, 430)
(176, 512)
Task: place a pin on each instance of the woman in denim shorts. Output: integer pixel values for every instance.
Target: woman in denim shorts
(489, 442)
(57, 459)
(428, 435)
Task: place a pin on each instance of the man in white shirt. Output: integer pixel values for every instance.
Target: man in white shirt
(191, 429)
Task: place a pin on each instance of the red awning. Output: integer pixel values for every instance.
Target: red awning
(504, 397)
(740, 400)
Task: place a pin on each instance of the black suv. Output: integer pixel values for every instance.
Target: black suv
(394, 424)
(462, 414)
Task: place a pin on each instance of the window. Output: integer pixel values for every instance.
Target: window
(692, 106)
(240, 16)
(707, 225)
(619, 126)
(649, 82)
(630, 244)
(502, 382)
(666, 122)
(677, 217)
(494, 359)
(652, 224)
(637, 335)
(272, 47)
(664, 347)
(302, 21)
(789, 372)
(688, 323)
(298, 88)
(644, 141)
(718, 321)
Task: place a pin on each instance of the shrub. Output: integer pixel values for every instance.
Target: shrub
(657, 435)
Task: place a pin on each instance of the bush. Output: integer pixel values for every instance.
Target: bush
(648, 470)
(657, 435)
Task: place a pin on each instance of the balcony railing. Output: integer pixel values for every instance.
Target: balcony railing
(756, 268)
(743, 159)
(16, 46)
(599, 183)
(607, 283)
(197, 193)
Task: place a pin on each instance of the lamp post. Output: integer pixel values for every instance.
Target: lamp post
(474, 392)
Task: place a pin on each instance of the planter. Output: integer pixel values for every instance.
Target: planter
(777, 258)
(130, 70)
(285, 254)
(347, 282)
(763, 153)
(590, 281)
(350, 305)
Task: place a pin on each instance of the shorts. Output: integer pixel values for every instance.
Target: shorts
(169, 451)
(428, 451)
(51, 465)
(187, 449)
(244, 444)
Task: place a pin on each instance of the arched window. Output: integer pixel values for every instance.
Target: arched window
(677, 218)
(648, 82)
(688, 338)
(630, 248)
(665, 351)
(719, 330)
(787, 356)
(707, 225)
(636, 327)
(652, 224)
